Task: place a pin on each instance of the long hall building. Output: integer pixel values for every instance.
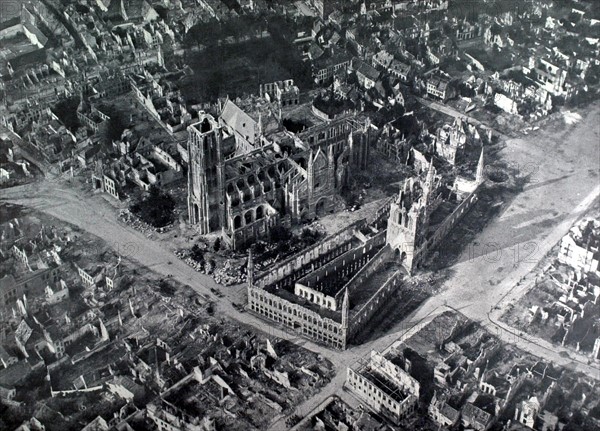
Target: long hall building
(331, 291)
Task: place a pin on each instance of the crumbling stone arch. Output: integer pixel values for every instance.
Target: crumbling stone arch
(320, 207)
(247, 194)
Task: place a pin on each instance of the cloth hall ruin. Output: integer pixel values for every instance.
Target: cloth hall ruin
(329, 292)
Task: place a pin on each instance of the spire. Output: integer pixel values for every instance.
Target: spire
(479, 177)
(103, 332)
(431, 173)
(260, 128)
(345, 309)
(429, 180)
(250, 269)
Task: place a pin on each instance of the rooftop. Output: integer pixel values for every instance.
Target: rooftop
(382, 383)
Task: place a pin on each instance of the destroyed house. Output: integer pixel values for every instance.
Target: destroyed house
(384, 386)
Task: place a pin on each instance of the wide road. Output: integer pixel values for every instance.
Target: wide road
(563, 164)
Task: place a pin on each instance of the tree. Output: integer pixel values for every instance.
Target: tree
(155, 209)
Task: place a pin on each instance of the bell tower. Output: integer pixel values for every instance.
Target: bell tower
(409, 218)
(205, 169)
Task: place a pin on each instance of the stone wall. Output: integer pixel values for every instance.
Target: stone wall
(306, 322)
(300, 262)
(355, 258)
(445, 227)
(370, 267)
(418, 255)
(360, 318)
(377, 399)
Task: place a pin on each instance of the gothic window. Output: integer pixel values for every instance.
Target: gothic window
(237, 222)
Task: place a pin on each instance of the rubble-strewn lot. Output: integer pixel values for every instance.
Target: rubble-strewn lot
(561, 305)
(128, 338)
(459, 364)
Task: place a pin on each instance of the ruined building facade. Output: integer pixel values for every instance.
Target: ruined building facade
(410, 213)
(410, 231)
(312, 293)
(243, 181)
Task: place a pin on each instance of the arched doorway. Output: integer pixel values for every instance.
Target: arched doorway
(320, 209)
(402, 256)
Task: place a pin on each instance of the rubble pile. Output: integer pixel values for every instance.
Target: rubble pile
(127, 217)
(229, 274)
(191, 262)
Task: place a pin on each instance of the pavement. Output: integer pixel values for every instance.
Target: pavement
(560, 189)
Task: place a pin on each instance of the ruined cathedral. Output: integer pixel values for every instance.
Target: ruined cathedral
(247, 173)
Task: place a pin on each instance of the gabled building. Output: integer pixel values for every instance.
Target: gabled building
(476, 418)
(400, 70)
(325, 67)
(442, 413)
(367, 75)
(439, 87)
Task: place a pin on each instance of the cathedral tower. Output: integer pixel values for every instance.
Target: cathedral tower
(205, 170)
